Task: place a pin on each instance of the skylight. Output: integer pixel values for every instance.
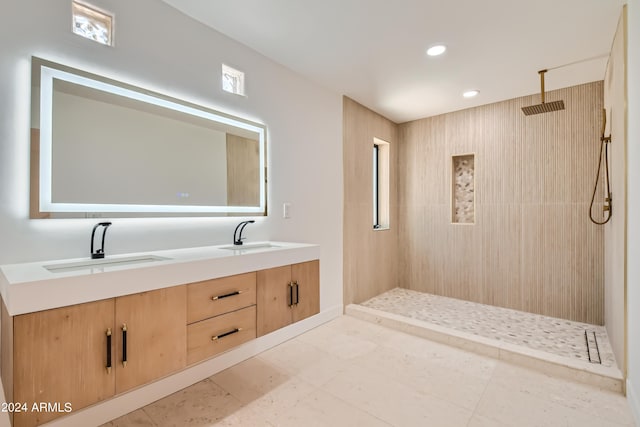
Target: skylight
(92, 23)
(232, 80)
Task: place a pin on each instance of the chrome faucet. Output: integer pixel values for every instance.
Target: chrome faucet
(237, 236)
(99, 253)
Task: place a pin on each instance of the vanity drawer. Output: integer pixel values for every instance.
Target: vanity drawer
(218, 296)
(212, 336)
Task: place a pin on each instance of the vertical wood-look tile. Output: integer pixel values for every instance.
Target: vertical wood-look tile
(370, 256)
(532, 247)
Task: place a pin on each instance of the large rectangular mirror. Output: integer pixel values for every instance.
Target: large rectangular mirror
(106, 148)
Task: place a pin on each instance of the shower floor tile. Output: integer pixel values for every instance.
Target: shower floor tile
(559, 337)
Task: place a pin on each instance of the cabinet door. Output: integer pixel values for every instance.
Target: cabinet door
(156, 336)
(307, 276)
(273, 299)
(60, 356)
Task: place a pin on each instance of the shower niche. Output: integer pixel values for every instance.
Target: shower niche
(463, 189)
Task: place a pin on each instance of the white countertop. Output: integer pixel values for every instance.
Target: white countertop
(29, 287)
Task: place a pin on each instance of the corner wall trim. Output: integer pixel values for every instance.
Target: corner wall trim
(634, 403)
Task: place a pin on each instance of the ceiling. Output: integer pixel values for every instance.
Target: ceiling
(374, 50)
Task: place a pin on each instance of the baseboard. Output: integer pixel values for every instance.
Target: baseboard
(634, 402)
(123, 404)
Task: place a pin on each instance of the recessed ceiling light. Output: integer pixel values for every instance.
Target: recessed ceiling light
(436, 50)
(471, 93)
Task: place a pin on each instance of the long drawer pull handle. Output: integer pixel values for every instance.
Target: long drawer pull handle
(232, 294)
(297, 299)
(124, 344)
(290, 296)
(109, 351)
(217, 337)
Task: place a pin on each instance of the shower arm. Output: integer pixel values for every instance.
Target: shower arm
(541, 72)
(543, 107)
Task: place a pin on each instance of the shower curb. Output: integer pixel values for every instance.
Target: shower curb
(609, 378)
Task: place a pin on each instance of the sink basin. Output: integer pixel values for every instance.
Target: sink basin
(250, 247)
(102, 263)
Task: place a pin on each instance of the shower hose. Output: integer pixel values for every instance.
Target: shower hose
(604, 146)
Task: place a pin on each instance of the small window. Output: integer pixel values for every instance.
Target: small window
(380, 184)
(232, 80)
(92, 23)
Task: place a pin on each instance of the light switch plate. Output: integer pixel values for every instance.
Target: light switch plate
(286, 210)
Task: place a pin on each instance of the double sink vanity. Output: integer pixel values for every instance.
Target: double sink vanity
(78, 332)
(85, 333)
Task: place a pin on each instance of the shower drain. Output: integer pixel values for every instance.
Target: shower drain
(592, 347)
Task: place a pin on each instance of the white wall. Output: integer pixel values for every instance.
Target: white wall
(162, 50)
(633, 186)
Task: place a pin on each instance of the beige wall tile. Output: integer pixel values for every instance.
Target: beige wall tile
(370, 257)
(532, 246)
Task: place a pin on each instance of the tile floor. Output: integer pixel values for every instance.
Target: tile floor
(353, 373)
(557, 336)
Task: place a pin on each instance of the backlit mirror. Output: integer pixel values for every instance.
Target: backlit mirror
(106, 148)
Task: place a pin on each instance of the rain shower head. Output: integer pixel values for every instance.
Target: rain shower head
(543, 107)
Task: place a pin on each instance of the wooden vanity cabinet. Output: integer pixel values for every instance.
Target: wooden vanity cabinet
(216, 335)
(214, 297)
(61, 355)
(307, 277)
(156, 338)
(286, 295)
(221, 314)
(71, 357)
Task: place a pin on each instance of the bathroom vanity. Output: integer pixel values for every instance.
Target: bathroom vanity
(114, 333)
(79, 332)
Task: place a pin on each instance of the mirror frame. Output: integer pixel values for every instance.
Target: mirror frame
(48, 71)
